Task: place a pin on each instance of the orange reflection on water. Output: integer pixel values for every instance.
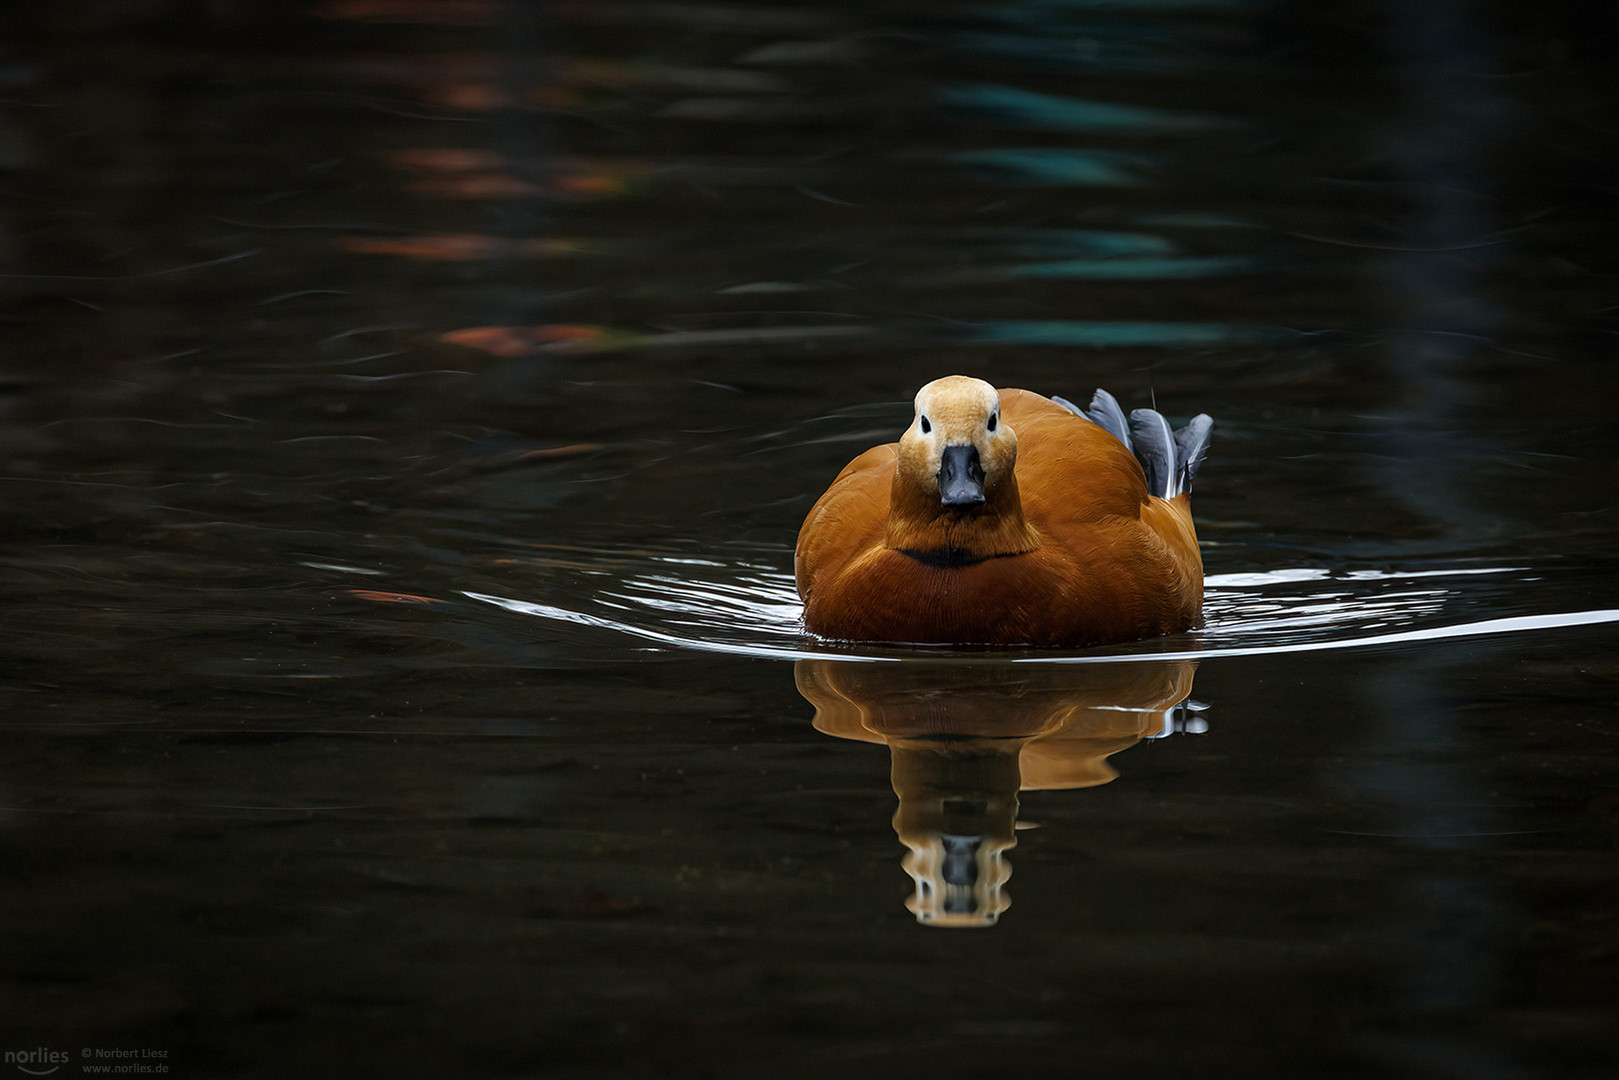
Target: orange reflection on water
(487, 97)
(513, 341)
(460, 247)
(967, 737)
(466, 173)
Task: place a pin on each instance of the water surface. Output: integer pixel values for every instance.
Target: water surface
(409, 409)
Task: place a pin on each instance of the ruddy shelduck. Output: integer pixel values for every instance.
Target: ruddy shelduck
(1008, 518)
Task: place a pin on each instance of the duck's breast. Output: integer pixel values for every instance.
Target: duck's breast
(850, 518)
(1044, 598)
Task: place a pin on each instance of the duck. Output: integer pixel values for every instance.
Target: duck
(1007, 518)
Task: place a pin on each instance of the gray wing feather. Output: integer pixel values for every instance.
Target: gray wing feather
(1155, 449)
(1105, 411)
(1192, 446)
(1170, 458)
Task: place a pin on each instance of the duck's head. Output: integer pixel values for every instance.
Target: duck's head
(957, 447)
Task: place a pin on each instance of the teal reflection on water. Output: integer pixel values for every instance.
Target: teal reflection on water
(1077, 243)
(1048, 167)
(1054, 332)
(1048, 112)
(1113, 52)
(1183, 268)
(1034, 10)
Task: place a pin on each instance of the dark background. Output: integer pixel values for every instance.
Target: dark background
(319, 317)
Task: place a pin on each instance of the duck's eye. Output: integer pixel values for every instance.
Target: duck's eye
(992, 419)
(926, 427)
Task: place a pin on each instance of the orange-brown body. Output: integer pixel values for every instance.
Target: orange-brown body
(1067, 547)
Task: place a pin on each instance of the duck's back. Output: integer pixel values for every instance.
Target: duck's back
(1114, 564)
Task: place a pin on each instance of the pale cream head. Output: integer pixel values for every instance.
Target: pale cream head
(958, 442)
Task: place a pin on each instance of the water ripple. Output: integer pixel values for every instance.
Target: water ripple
(748, 609)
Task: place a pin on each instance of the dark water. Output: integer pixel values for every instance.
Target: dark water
(407, 409)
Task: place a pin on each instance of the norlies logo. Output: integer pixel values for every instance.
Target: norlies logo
(37, 1062)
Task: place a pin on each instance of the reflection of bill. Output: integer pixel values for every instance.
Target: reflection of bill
(967, 737)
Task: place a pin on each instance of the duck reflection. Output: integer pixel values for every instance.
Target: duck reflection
(967, 737)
